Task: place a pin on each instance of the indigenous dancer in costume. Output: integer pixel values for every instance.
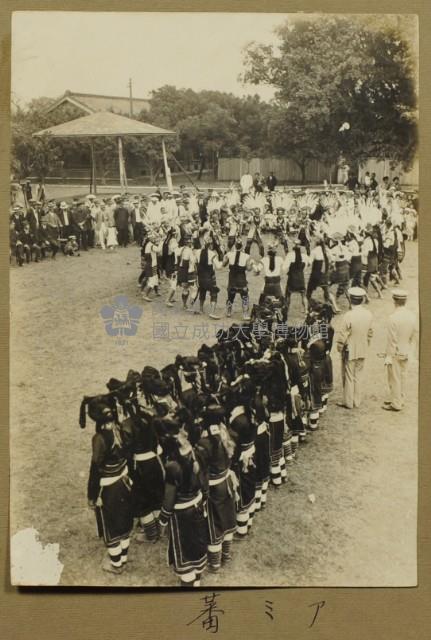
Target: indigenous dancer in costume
(262, 441)
(147, 474)
(316, 351)
(243, 431)
(233, 225)
(320, 265)
(208, 260)
(254, 232)
(295, 264)
(109, 487)
(216, 449)
(183, 512)
(277, 426)
(150, 280)
(186, 270)
(370, 264)
(239, 263)
(272, 265)
(327, 333)
(354, 250)
(341, 261)
(169, 266)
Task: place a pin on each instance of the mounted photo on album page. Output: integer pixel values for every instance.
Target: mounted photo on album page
(214, 300)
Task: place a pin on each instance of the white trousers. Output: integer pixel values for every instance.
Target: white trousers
(396, 375)
(351, 373)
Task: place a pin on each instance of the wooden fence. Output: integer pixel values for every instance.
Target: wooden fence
(285, 169)
(383, 168)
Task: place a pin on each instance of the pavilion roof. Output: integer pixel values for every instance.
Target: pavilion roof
(103, 123)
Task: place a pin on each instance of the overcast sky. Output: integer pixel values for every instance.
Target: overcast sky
(97, 53)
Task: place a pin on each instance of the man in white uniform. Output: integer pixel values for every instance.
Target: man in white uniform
(246, 183)
(352, 343)
(401, 335)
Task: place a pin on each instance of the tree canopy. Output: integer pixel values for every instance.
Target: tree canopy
(208, 124)
(335, 70)
(345, 90)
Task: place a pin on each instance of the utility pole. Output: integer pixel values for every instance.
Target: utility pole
(130, 98)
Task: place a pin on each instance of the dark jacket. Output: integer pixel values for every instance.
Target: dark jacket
(271, 182)
(121, 217)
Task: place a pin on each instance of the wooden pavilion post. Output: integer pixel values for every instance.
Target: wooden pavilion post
(167, 170)
(122, 166)
(93, 169)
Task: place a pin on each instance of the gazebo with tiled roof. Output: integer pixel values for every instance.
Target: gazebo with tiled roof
(104, 124)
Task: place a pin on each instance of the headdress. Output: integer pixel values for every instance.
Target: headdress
(257, 201)
(308, 201)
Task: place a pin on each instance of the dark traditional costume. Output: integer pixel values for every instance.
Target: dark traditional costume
(216, 449)
(183, 511)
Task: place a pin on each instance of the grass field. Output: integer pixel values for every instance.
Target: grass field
(361, 465)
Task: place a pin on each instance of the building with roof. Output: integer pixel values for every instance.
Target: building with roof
(87, 103)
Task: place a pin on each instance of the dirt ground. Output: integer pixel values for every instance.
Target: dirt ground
(360, 465)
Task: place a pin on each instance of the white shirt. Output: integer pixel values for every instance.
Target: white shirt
(401, 333)
(137, 210)
(291, 257)
(367, 246)
(246, 182)
(212, 258)
(153, 213)
(278, 266)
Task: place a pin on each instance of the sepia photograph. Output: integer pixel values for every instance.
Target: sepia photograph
(214, 309)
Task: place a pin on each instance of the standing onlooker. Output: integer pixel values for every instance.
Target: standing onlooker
(373, 183)
(271, 181)
(367, 181)
(395, 186)
(352, 343)
(52, 220)
(401, 334)
(246, 183)
(32, 216)
(101, 220)
(385, 184)
(112, 238)
(64, 218)
(78, 215)
(121, 217)
(28, 191)
(41, 194)
(257, 182)
(352, 182)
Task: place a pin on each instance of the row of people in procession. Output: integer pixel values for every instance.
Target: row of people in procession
(47, 227)
(336, 239)
(189, 451)
(192, 449)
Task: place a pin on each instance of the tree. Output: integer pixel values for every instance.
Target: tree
(337, 70)
(31, 155)
(210, 123)
(38, 156)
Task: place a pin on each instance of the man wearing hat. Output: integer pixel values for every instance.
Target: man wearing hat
(352, 343)
(32, 218)
(77, 216)
(401, 334)
(121, 217)
(63, 216)
(17, 218)
(153, 215)
(52, 220)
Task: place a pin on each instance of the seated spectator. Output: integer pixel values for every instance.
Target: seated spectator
(47, 240)
(15, 245)
(30, 245)
(71, 247)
